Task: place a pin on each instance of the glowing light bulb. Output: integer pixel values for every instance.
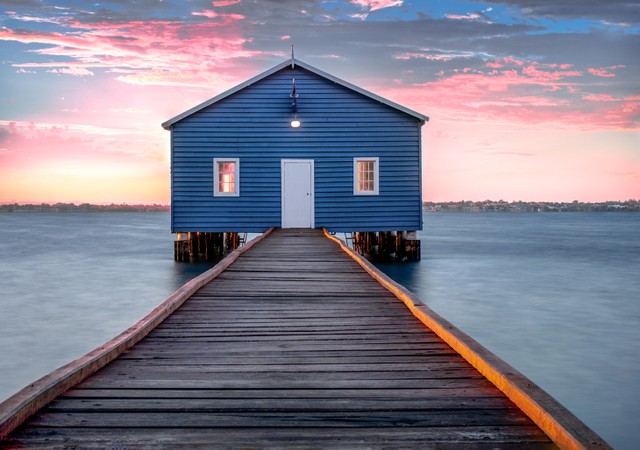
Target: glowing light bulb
(295, 123)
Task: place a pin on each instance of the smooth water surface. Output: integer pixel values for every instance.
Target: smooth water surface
(71, 281)
(556, 295)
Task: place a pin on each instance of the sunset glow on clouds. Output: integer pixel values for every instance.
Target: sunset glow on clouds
(527, 100)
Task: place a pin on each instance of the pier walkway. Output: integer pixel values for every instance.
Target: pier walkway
(293, 345)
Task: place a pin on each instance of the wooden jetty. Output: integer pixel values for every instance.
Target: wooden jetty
(290, 342)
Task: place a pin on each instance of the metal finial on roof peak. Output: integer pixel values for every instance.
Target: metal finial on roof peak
(293, 60)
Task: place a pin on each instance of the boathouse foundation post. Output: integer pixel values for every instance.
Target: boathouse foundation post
(204, 246)
(397, 246)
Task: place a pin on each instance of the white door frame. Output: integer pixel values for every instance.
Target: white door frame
(311, 194)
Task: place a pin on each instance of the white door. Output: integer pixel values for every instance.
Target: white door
(297, 193)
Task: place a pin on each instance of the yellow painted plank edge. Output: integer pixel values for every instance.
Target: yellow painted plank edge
(556, 421)
(26, 402)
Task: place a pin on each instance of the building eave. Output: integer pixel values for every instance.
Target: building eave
(293, 62)
(364, 92)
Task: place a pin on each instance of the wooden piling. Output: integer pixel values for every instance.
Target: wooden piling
(231, 241)
(204, 246)
(182, 248)
(397, 246)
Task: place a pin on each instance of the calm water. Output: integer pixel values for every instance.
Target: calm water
(71, 281)
(555, 295)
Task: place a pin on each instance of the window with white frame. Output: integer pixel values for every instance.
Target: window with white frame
(366, 176)
(226, 177)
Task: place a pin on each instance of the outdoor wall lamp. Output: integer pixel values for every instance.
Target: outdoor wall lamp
(295, 123)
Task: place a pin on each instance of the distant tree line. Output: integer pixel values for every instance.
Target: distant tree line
(66, 207)
(460, 206)
(520, 206)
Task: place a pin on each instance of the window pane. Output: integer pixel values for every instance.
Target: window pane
(226, 176)
(365, 175)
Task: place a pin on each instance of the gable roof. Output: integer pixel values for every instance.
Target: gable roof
(293, 62)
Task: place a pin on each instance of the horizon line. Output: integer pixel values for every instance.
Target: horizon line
(38, 203)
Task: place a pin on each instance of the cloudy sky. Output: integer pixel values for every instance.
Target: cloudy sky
(528, 99)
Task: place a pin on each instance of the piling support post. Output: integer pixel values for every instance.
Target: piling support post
(408, 246)
(232, 241)
(182, 247)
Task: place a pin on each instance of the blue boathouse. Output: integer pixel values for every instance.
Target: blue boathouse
(295, 147)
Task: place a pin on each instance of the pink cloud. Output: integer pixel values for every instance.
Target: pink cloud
(605, 72)
(503, 62)
(600, 98)
(529, 94)
(535, 101)
(146, 52)
(626, 113)
(533, 71)
(39, 37)
(223, 3)
(600, 73)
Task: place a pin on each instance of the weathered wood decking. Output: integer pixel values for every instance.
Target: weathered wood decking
(294, 344)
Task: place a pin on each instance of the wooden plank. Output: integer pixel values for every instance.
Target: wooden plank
(279, 361)
(299, 334)
(457, 369)
(266, 349)
(282, 383)
(258, 346)
(222, 323)
(525, 437)
(336, 418)
(275, 404)
(267, 378)
(417, 393)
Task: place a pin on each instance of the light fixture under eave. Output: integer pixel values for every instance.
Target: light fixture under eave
(295, 123)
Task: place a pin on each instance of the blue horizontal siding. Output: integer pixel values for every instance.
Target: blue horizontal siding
(338, 124)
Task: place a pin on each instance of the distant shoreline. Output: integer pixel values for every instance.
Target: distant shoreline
(83, 207)
(461, 206)
(502, 206)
